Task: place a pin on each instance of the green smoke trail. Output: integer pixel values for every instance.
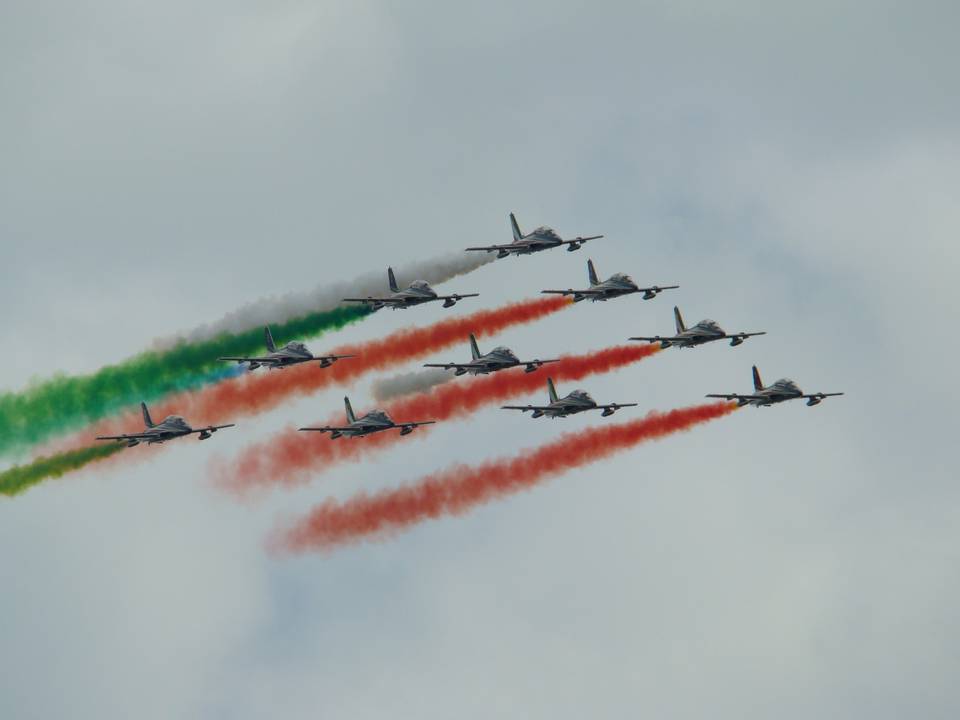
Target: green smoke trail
(62, 403)
(21, 477)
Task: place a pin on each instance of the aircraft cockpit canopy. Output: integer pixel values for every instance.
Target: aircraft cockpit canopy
(623, 278)
(548, 232)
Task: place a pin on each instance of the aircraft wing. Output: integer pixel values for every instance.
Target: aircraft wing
(212, 428)
(131, 436)
(452, 366)
(327, 428)
(384, 301)
(329, 358)
(578, 240)
(820, 396)
(455, 296)
(542, 408)
(415, 424)
(570, 292)
(735, 396)
(743, 335)
(261, 360)
(491, 248)
(657, 338)
(614, 406)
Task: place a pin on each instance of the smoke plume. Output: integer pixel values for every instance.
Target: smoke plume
(460, 488)
(19, 478)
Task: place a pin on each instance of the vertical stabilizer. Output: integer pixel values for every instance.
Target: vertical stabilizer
(552, 390)
(268, 339)
(474, 348)
(517, 235)
(592, 272)
(679, 318)
(147, 420)
(393, 280)
(757, 382)
(351, 418)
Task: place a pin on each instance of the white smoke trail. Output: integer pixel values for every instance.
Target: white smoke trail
(280, 308)
(409, 383)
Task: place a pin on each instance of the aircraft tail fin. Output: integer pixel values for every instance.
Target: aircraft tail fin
(351, 418)
(757, 382)
(268, 338)
(552, 390)
(474, 348)
(592, 272)
(393, 280)
(517, 235)
(147, 420)
(679, 318)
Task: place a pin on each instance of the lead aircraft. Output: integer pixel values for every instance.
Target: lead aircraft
(172, 426)
(780, 391)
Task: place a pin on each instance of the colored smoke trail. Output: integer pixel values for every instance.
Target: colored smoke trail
(291, 458)
(19, 478)
(63, 403)
(461, 488)
(270, 310)
(418, 381)
(253, 393)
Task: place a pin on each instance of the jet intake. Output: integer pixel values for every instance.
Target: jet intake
(736, 341)
(406, 430)
(573, 246)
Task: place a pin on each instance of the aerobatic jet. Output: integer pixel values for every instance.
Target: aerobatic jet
(417, 293)
(780, 391)
(577, 401)
(500, 358)
(613, 287)
(293, 353)
(172, 426)
(373, 422)
(542, 238)
(703, 332)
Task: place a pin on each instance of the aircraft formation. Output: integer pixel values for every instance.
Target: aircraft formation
(498, 359)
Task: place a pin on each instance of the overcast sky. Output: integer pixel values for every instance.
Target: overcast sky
(794, 167)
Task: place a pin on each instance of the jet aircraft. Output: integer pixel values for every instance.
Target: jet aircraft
(778, 392)
(373, 422)
(576, 402)
(417, 293)
(500, 358)
(293, 353)
(613, 287)
(703, 332)
(542, 238)
(172, 426)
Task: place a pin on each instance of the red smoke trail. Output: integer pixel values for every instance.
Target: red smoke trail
(255, 392)
(460, 488)
(289, 457)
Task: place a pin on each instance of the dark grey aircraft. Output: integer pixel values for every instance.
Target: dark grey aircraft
(778, 392)
(500, 358)
(703, 332)
(293, 353)
(543, 238)
(373, 422)
(612, 287)
(173, 426)
(576, 402)
(417, 293)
